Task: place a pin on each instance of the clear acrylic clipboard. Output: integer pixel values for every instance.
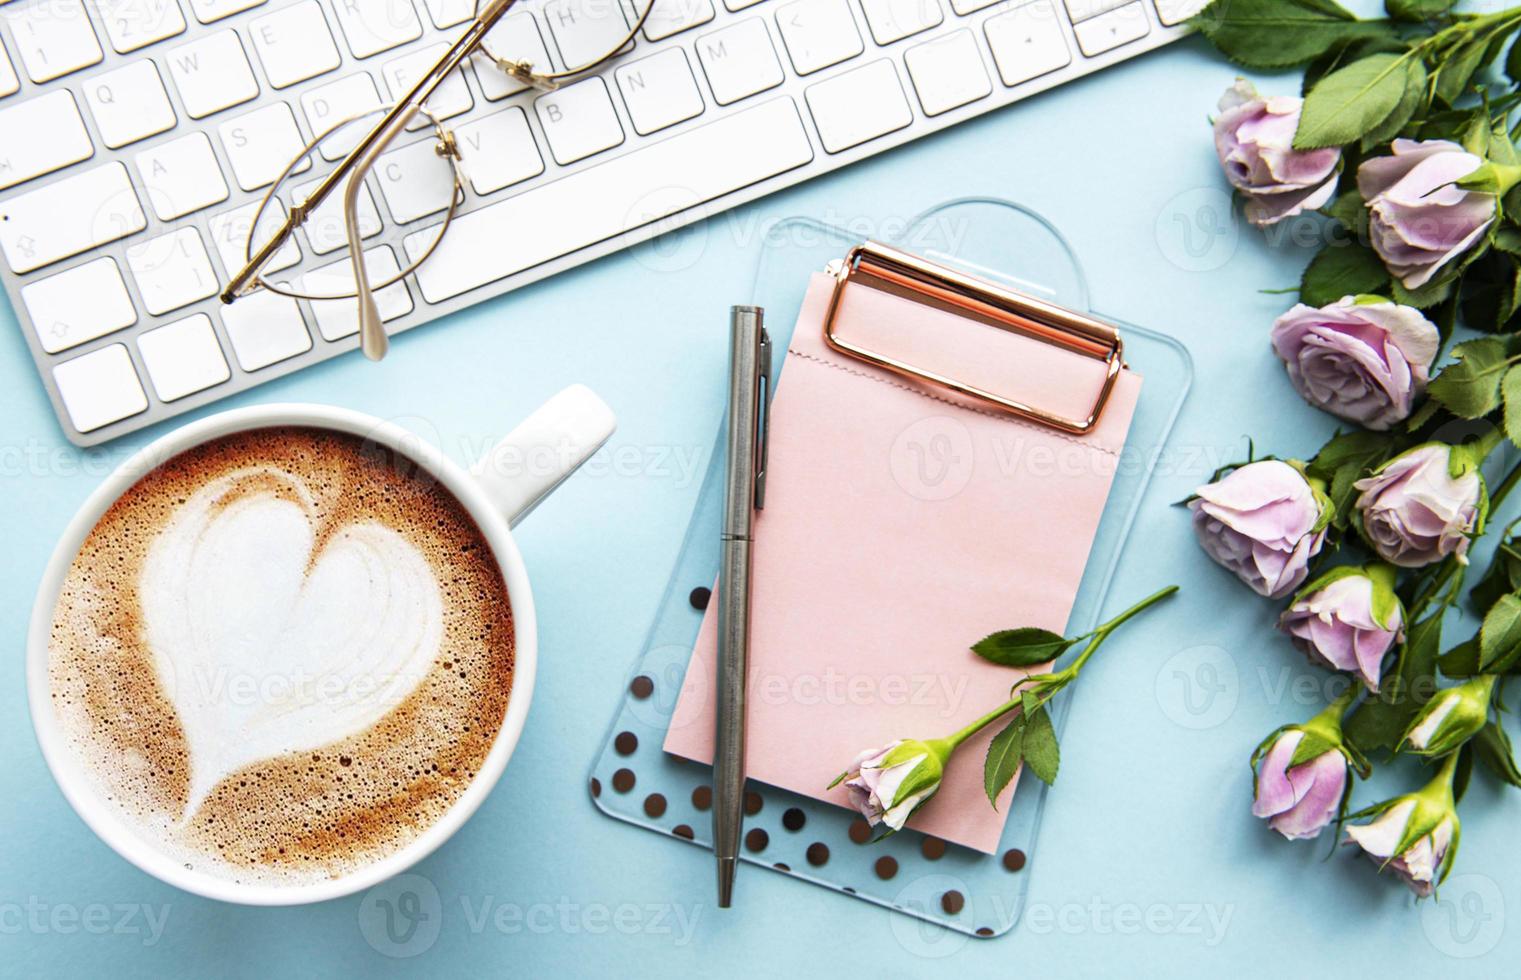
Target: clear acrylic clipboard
(634, 780)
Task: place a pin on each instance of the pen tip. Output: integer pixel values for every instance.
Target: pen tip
(726, 868)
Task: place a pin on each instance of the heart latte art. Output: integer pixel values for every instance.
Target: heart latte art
(283, 654)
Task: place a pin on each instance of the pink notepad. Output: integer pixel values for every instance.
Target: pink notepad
(901, 525)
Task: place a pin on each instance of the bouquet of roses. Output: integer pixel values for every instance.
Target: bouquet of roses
(1402, 139)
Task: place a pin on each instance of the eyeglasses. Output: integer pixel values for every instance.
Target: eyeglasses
(307, 204)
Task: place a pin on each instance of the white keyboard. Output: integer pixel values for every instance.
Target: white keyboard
(137, 137)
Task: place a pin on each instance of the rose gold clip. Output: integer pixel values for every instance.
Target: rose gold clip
(886, 268)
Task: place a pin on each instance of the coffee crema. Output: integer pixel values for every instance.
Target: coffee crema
(282, 654)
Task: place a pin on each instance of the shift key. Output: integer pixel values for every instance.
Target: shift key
(69, 216)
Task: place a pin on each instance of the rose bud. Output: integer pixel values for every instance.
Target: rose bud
(1254, 138)
(1348, 619)
(1301, 781)
(1361, 358)
(1422, 505)
(1415, 835)
(1264, 521)
(1418, 216)
(1452, 717)
(887, 785)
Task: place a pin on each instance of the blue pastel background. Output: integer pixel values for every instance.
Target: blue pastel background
(1148, 861)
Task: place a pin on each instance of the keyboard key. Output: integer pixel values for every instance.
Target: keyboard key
(894, 20)
(133, 24)
(1027, 42)
(79, 304)
(964, 7)
(447, 13)
(739, 61)
(818, 33)
(600, 202)
(9, 83)
(585, 30)
(737, 5)
(579, 120)
(947, 72)
(415, 180)
(260, 144)
(1173, 12)
(373, 26)
(324, 227)
(212, 74)
(42, 134)
(329, 105)
(1110, 30)
(181, 176)
(294, 44)
(230, 232)
(1081, 10)
(860, 105)
(129, 104)
(339, 318)
(451, 98)
(171, 271)
(499, 150)
(659, 91)
(265, 328)
(68, 216)
(99, 388)
(670, 17)
(53, 38)
(208, 11)
(515, 36)
(183, 357)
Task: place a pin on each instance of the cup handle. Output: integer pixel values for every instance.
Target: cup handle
(546, 448)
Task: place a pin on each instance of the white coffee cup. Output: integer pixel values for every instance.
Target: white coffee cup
(507, 483)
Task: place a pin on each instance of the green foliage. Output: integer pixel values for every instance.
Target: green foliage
(1279, 33)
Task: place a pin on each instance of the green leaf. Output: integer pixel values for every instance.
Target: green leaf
(1513, 62)
(1382, 720)
(1424, 297)
(1311, 746)
(1023, 647)
(1041, 752)
(1502, 576)
(1413, 97)
(1510, 391)
(1501, 631)
(1004, 753)
(1417, 10)
(1492, 291)
(1470, 388)
(1279, 33)
(1457, 70)
(1462, 660)
(1492, 746)
(1346, 51)
(1351, 101)
(1352, 211)
(1342, 269)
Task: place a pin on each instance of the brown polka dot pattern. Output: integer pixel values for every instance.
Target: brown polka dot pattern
(753, 804)
(984, 932)
(952, 902)
(756, 839)
(933, 848)
(596, 787)
(623, 780)
(794, 819)
(860, 831)
(818, 854)
(654, 805)
(641, 687)
(702, 797)
(683, 831)
(699, 597)
(886, 867)
(626, 743)
(1013, 859)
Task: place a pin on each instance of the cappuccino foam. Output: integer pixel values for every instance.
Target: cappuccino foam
(282, 655)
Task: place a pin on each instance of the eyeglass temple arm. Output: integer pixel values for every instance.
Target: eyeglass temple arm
(372, 334)
(381, 135)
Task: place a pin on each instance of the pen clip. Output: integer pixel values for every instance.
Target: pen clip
(762, 417)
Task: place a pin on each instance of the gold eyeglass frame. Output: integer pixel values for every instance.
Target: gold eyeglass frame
(358, 162)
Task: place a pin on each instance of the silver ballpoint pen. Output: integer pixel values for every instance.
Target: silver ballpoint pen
(744, 494)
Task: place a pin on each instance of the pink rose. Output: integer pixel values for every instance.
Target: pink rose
(1348, 620)
(1361, 358)
(1414, 511)
(1299, 801)
(1264, 522)
(1254, 138)
(1419, 218)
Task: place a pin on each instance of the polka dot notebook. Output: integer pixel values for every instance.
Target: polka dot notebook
(969, 892)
